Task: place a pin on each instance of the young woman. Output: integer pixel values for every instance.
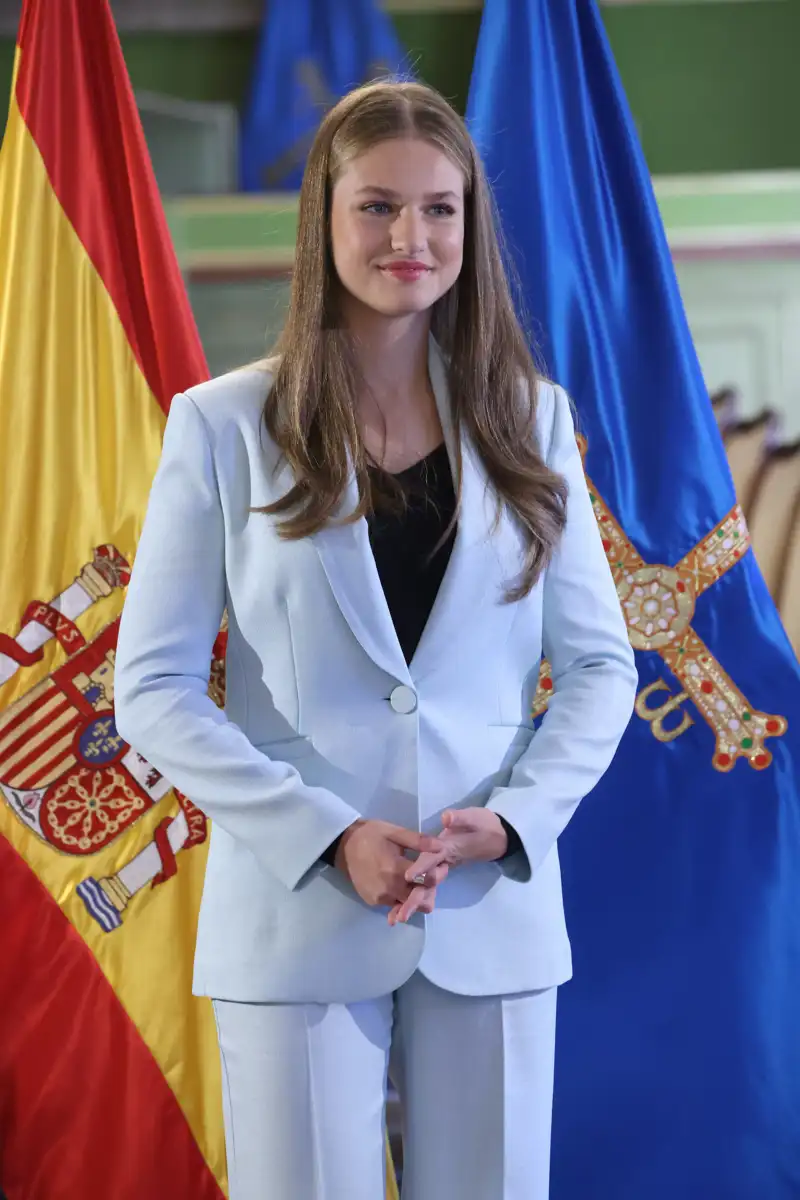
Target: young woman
(394, 515)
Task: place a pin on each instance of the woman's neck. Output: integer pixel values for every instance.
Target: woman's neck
(397, 408)
(392, 356)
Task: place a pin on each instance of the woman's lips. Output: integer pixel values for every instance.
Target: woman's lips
(407, 272)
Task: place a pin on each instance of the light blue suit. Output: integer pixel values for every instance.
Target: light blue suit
(325, 722)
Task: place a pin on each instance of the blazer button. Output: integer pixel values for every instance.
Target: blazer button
(403, 699)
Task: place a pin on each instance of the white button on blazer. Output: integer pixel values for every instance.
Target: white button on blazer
(403, 699)
(325, 721)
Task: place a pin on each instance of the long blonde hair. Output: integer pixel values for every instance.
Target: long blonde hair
(310, 411)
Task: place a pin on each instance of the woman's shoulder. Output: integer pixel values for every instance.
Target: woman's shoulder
(237, 396)
(545, 403)
(552, 405)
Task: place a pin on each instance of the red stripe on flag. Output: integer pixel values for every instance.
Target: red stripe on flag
(76, 99)
(85, 1111)
(26, 735)
(61, 763)
(26, 712)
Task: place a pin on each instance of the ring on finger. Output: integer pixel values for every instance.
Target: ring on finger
(419, 880)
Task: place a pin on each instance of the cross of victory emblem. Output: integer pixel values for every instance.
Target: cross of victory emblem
(658, 603)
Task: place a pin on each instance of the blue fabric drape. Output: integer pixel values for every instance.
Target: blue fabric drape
(310, 53)
(678, 1062)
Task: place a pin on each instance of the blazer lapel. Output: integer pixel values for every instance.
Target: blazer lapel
(482, 559)
(480, 562)
(349, 564)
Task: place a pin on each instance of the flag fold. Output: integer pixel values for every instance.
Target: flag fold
(678, 1066)
(311, 52)
(109, 1070)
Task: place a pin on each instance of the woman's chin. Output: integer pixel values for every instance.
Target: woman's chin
(413, 302)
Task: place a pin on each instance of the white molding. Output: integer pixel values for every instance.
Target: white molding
(744, 314)
(234, 260)
(234, 203)
(734, 237)
(732, 183)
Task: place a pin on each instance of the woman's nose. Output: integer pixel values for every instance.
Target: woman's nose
(408, 232)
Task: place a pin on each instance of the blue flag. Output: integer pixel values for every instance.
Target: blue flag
(311, 53)
(678, 1049)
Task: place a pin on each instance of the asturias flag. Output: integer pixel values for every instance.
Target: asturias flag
(678, 1060)
(109, 1070)
(310, 53)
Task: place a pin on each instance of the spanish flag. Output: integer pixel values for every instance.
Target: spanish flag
(109, 1069)
(109, 1075)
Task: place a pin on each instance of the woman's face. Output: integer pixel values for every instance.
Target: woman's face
(397, 226)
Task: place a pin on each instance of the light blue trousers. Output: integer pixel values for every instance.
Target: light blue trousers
(304, 1088)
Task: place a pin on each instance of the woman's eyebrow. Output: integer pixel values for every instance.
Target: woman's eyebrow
(390, 195)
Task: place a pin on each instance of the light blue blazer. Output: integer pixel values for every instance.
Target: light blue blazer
(325, 722)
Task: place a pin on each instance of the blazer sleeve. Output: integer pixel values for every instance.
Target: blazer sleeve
(585, 639)
(170, 621)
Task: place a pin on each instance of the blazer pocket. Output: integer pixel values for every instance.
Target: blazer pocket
(286, 749)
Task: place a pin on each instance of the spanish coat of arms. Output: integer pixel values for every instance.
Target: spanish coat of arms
(64, 769)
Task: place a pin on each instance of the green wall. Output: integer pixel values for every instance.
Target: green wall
(713, 87)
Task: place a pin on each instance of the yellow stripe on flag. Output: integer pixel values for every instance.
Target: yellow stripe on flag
(80, 436)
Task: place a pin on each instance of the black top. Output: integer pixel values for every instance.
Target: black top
(402, 545)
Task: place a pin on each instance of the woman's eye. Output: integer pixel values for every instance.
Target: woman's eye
(382, 207)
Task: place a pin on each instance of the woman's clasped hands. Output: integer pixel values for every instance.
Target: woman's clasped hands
(373, 855)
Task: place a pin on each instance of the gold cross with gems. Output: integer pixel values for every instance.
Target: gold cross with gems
(658, 603)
